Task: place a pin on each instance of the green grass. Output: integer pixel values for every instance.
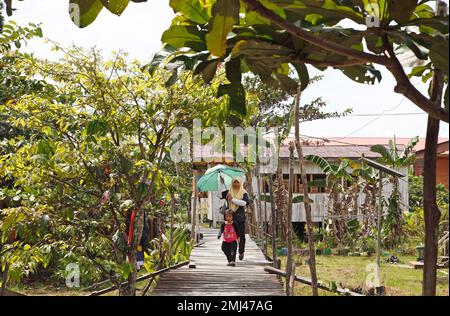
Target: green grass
(350, 272)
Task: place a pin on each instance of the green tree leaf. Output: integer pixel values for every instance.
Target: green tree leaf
(208, 69)
(84, 12)
(159, 58)
(225, 15)
(401, 11)
(116, 6)
(180, 36)
(193, 9)
(97, 127)
(236, 92)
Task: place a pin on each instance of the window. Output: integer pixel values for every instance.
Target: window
(266, 185)
(286, 181)
(316, 183)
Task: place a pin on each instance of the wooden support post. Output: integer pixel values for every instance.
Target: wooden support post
(258, 180)
(194, 210)
(279, 267)
(252, 220)
(274, 224)
(266, 222)
(291, 281)
(289, 259)
(379, 226)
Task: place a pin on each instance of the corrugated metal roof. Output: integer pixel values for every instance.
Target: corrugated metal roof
(361, 141)
(332, 151)
(335, 147)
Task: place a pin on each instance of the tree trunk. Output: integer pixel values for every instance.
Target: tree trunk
(309, 223)
(431, 211)
(130, 288)
(172, 214)
(281, 200)
(4, 278)
(289, 261)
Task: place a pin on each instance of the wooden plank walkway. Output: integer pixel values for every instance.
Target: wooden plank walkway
(212, 277)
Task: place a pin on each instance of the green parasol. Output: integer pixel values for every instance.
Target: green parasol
(210, 180)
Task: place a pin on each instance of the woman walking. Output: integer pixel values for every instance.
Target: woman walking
(237, 199)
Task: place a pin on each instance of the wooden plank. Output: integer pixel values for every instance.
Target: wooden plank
(217, 292)
(12, 293)
(207, 287)
(212, 276)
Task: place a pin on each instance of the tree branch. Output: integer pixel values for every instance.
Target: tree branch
(341, 64)
(392, 63)
(405, 87)
(313, 39)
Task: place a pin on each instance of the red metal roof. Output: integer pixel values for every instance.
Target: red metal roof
(332, 151)
(362, 141)
(333, 147)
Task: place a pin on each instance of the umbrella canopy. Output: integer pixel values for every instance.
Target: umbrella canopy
(210, 180)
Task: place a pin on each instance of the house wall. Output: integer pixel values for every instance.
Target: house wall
(442, 171)
(320, 200)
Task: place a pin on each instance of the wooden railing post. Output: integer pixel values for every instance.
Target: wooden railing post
(274, 224)
(289, 259)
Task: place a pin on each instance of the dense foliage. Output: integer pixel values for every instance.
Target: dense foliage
(101, 141)
(77, 143)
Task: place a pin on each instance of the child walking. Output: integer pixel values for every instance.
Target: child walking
(230, 233)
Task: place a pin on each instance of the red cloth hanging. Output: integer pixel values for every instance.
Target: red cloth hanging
(130, 231)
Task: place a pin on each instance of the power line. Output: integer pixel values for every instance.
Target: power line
(389, 114)
(379, 116)
(375, 119)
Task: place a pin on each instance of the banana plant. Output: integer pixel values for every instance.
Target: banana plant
(336, 176)
(395, 158)
(334, 173)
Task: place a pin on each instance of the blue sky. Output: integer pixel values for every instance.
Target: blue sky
(138, 32)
